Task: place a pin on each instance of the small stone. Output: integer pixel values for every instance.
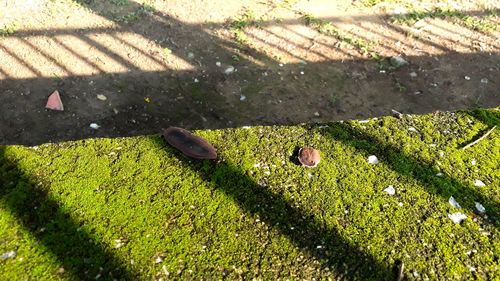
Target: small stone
(229, 70)
(61, 270)
(242, 98)
(396, 113)
(281, 65)
(413, 74)
(102, 97)
(439, 174)
(453, 202)
(119, 243)
(309, 157)
(190, 55)
(473, 162)
(480, 208)
(390, 190)
(400, 204)
(457, 217)
(196, 80)
(8, 255)
(467, 78)
(398, 61)
(218, 64)
(479, 183)
(411, 129)
(316, 114)
(372, 159)
(94, 126)
(116, 111)
(302, 72)
(484, 81)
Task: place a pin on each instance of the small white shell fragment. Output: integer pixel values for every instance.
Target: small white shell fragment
(94, 126)
(372, 159)
(102, 97)
(8, 255)
(457, 217)
(479, 183)
(119, 243)
(390, 190)
(480, 208)
(229, 70)
(454, 202)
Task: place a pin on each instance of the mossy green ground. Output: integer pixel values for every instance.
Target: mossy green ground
(134, 208)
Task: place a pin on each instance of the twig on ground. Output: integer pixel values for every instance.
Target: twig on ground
(479, 139)
(401, 272)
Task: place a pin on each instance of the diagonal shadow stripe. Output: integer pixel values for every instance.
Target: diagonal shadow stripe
(410, 166)
(81, 256)
(300, 226)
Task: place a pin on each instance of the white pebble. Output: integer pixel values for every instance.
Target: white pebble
(242, 98)
(457, 217)
(479, 183)
(8, 255)
(102, 97)
(467, 78)
(439, 174)
(484, 80)
(473, 162)
(196, 80)
(411, 129)
(480, 208)
(158, 260)
(400, 204)
(453, 202)
(390, 190)
(218, 64)
(302, 72)
(94, 126)
(372, 159)
(229, 70)
(413, 74)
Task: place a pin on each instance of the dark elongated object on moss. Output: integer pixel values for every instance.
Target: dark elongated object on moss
(189, 144)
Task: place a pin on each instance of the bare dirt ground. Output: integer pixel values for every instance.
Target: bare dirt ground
(134, 67)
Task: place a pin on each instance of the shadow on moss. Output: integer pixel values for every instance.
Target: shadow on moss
(80, 255)
(409, 166)
(300, 226)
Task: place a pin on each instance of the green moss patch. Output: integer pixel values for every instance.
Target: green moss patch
(134, 208)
